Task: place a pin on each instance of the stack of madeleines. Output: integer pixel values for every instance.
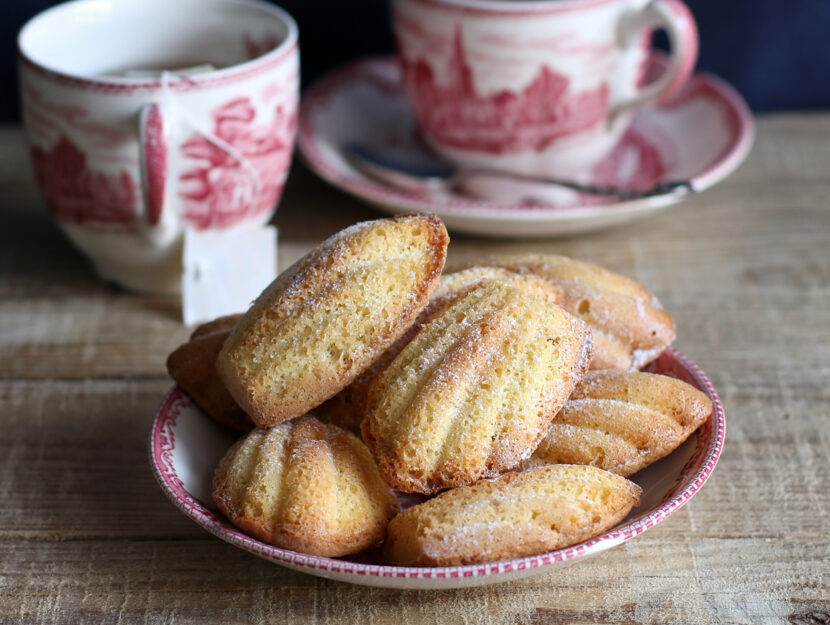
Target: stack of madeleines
(508, 390)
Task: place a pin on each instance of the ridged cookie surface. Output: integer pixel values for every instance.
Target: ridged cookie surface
(630, 327)
(512, 516)
(329, 316)
(622, 421)
(472, 394)
(307, 486)
(193, 367)
(348, 408)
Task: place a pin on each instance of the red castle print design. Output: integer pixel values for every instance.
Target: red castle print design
(221, 191)
(506, 121)
(78, 195)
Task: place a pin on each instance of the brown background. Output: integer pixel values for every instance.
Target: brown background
(86, 536)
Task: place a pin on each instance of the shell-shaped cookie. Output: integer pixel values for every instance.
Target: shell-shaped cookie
(451, 286)
(474, 391)
(622, 421)
(307, 486)
(330, 315)
(225, 323)
(348, 408)
(629, 326)
(514, 515)
(193, 367)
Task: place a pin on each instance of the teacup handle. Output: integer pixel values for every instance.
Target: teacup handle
(158, 222)
(679, 24)
(162, 220)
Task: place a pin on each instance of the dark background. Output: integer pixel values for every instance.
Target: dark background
(775, 52)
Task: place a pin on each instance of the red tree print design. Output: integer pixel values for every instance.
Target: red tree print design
(221, 191)
(545, 110)
(78, 195)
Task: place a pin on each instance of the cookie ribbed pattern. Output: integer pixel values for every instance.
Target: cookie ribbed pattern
(622, 421)
(630, 327)
(329, 316)
(348, 408)
(474, 391)
(514, 515)
(307, 486)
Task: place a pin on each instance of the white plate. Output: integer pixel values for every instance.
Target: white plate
(185, 446)
(700, 135)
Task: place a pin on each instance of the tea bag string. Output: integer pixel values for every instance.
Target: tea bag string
(167, 78)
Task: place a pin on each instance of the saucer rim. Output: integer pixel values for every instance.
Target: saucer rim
(396, 200)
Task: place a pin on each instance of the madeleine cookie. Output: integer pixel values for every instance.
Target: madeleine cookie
(629, 326)
(622, 421)
(330, 315)
(348, 408)
(512, 516)
(220, 324)
(193, 367)
(451, 286)
(307, 486)
(474, 391)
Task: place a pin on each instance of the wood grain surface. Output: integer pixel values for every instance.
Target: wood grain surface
(86, 535)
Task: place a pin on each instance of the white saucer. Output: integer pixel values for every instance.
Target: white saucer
(700, 135)
(185, 446)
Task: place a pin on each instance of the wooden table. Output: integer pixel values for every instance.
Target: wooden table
(86, 535)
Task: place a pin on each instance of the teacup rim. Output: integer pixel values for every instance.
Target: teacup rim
(288, 45)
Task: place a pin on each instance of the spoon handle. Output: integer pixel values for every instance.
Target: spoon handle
(433, 175)
(667, 187)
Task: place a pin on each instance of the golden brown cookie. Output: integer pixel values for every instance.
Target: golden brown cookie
(307, 486)
(348, 408)
(474, 391)
(193, 367)
(330, 315)
(220, 324)
(622, 421)
(512, 516)
(629, 326)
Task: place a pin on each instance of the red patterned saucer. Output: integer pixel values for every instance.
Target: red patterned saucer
(185, 446)
(701, 135)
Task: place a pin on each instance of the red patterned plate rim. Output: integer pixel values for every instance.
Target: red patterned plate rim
(693, 475)
(743, 134)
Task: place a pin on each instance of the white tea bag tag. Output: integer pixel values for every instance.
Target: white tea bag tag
(225, 270)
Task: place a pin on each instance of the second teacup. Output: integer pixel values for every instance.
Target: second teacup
(542, 87)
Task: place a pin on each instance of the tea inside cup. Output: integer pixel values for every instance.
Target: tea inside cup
(111, 38)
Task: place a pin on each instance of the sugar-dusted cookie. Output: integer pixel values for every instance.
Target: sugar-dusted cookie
(193, 367)
(514, 515)
(629, 326)
(472, 394)
(307, 486)
(348, 408)
(622, 421)
(225, 323)
(330, 315)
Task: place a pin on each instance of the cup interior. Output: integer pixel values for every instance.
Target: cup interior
(105, 38)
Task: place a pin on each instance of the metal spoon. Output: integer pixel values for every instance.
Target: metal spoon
(410, 172)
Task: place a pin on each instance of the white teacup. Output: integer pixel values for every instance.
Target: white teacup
(132, 143)
(543, 87)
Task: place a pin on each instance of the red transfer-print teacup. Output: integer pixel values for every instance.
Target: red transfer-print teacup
(148, 116)
(544, 87)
